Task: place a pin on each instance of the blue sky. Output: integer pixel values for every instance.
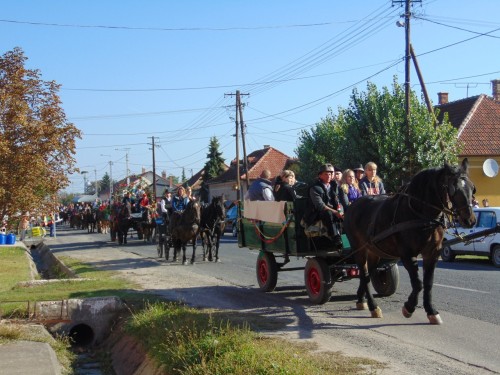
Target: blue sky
(131, 70)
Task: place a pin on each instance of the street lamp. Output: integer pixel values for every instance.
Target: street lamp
(84, 173)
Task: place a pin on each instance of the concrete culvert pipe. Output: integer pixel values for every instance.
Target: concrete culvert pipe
(81, 335)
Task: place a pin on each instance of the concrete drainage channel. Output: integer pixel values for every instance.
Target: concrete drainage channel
(87, 321)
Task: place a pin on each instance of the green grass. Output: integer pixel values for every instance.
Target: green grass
(180, 339)
(184, 340)
(17, 301)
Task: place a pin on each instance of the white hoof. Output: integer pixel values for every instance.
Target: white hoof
(435, 319)
(361, 306)
(377, 313)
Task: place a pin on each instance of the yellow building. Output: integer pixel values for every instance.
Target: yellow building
(478, 122)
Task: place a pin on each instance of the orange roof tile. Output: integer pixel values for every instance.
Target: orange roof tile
(478, 122)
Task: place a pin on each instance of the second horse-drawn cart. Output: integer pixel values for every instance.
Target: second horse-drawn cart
(275, 229)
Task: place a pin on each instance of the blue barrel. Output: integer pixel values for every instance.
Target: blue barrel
(11, 239)
(3, 239)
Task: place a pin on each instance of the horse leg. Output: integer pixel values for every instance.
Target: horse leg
(176, 248)
(210, 244)
(364, 290)
(432, 313)
(194, 250)
(217, 243)
(204, 245)
(184, 260)
(411, 265)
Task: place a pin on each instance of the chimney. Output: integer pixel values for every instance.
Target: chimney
(267, 146)
(496, 89)
(442, 98)
(171, 182)
(143, 170)
(164, 174)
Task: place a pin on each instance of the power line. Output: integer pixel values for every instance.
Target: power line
(176, 28)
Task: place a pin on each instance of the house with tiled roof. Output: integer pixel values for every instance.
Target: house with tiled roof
(266, 158)
(478, 122)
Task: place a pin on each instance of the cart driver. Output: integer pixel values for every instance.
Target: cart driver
(326, 202)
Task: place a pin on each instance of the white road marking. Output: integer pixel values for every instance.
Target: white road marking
(456, 287)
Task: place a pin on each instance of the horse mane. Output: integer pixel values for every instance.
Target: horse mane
(429, 185)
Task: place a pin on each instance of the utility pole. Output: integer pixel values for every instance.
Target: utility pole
(95, 176)
(154, 167)
(242, 128)
(239, 124)
(84, 173)
(407, 17)
(126, 162)
(110, 181)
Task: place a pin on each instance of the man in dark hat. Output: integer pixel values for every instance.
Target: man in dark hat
(359, 172)
(326, 202)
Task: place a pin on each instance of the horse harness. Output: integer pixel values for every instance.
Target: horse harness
(421, 222)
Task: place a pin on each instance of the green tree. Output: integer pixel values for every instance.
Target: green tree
(105, 182)
(215, 164)
(372, 128)
(214, 167)
(37, 143)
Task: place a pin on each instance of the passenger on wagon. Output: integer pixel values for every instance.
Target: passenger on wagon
(261, 189)
(326, 202)
(144, 202)
(371, 184)
(285, 190)
(166, 205)
(180, 201)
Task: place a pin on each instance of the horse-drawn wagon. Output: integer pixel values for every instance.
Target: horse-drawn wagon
(275, 229)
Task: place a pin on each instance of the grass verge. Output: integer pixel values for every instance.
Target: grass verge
(182, 340)
(190, 341)
(16, 300)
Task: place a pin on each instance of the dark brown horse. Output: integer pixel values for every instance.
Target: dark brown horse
(184, 229)
(408, 224)
(212, 228)
(148, 223)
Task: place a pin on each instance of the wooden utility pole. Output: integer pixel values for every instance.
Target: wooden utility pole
(242, 128)
(154, 168)
(239, 123)
(407, 17)
(422, 84)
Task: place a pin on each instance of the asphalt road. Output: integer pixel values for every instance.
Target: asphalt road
(466, 288)
(465, 293)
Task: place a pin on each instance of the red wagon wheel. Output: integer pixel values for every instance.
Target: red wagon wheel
(318, 280)
(267, 271)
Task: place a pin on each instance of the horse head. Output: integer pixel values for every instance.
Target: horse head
(460, 189)
(191, 214)
(218, 204)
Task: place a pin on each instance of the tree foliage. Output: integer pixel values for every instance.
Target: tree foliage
(37, 143)
(372, 128)
(105, 182)
(214, 167)
(215, 164)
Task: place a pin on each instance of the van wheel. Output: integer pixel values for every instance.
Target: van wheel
(495, 256)
(448, 255)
